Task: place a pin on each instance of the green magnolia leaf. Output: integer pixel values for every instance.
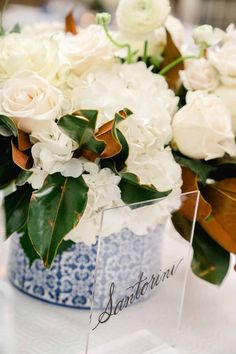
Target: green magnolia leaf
(29, 250)
(200, 168)
(224, 168)
(27, 246)
(16, 208)
(210, 261)
(117, 163)
(82, 129)
(54, 211)
(8, 170)
(23, 177)
(134, 192)
(7, 127)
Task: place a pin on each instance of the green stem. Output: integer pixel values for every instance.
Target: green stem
(119, 45)
(175, 63)
(145, 52)
(2, 13)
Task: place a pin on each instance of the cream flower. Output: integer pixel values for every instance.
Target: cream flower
(207, 36)
(30, 101)
(199, 74)
(228, 96)
(141, 16)
(224, 60)
(88, 49)
(202, 129)
(135, 87)
(19, 52)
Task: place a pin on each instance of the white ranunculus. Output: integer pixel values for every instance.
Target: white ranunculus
(202, 129)
(230, 33)
(141, 16)
(199, 74)
(20, 52)
(207, 36)
(228, 96)
(30, 101)
(224, 60)
(88, 49)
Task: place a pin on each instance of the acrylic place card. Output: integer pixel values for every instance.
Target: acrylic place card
(140, 277)
(142, 341)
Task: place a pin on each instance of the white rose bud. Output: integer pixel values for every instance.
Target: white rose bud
(30, 101)
(224, 60)
(228, 96)
(141, 16)
(202, 129)
(206, 36)
(199, 74)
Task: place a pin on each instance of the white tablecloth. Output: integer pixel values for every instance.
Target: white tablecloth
(209, 322)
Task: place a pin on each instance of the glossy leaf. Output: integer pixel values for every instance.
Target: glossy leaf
(7, 127)
(133, 192)
(29, 250)
(190, 184)
(8, 170)
(16, 208)
(200, 168)
(70, 23)
(23, 177)
(210, 261)
(21, 159)
(54, 211)
(81, 129)
(222, 224)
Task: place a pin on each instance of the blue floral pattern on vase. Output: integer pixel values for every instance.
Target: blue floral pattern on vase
(69, 282)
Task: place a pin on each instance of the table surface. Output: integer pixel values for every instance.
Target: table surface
(209, 322)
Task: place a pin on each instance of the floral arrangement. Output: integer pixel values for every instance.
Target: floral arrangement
(93, 118)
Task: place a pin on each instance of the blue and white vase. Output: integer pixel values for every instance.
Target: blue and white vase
(70, 280)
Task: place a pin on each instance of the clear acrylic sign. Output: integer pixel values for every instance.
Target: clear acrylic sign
(140, 279)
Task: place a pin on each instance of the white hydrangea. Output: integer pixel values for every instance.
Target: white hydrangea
(103, 193)
(135, 87)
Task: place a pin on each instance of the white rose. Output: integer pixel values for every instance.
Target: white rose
(202, 129)
(207, 36)
(224, 60)
(228, 96)
(86, 50)
(30, 101)
(141, 16)
(199, 74)
(19, 52)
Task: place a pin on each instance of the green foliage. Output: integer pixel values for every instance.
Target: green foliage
(210, 261)
(7, 127)
(199, 167)
(134, 192)
(23, 177)
(29, 249)
(54, 211)
(8, 170)
(16, 208)
(82, 129)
